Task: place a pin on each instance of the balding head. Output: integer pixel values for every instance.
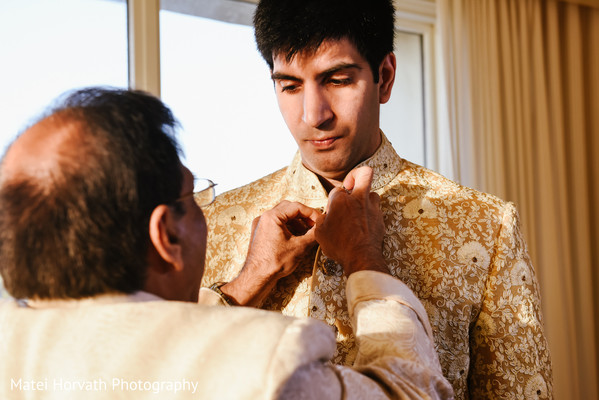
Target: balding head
(76, 192)
(37, 154)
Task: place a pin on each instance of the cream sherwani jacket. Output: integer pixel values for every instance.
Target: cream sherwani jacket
(459, 250)
(140, 347)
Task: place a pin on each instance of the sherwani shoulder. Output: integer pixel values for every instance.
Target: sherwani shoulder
(461, 251)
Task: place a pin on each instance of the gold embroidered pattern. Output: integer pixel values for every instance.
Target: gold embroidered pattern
(459, 250)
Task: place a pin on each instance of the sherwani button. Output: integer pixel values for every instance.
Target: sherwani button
(329, 267)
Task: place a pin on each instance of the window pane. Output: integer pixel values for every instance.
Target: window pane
(221, 92)
(50, 46)
(402, 117)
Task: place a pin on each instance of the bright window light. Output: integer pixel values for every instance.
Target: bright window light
(51, 46)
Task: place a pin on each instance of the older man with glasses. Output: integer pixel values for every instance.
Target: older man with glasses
(100, 223)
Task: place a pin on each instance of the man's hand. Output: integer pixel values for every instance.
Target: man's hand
(280, 237)
(352, 231)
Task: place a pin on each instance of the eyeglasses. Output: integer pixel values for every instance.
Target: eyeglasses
(203, 192)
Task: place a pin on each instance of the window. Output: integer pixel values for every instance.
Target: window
(402, 117)
(49, 47)
(221, 92)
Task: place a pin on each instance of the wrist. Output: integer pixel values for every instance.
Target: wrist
(366, 263)
(259, 271)
(248, 289)
(217, 287)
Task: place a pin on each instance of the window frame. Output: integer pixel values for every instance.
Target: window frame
(420, 16)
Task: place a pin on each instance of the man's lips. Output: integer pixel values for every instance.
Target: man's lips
(325, 142)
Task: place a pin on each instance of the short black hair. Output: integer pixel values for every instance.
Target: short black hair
(84, 230)
(293, 26)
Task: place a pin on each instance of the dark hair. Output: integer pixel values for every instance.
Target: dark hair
(84, 230)
(293, 26)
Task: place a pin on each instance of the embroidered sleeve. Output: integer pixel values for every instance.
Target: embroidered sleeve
(510, 354)
(396, 356)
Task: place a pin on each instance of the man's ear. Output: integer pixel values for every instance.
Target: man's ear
(386, 77)
(164, 235)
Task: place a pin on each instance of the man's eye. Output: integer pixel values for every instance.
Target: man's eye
(340, 81)
(289, 88)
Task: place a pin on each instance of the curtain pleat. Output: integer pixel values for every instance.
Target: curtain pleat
(522, 94)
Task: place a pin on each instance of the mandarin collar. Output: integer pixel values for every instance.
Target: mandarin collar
(305, 184)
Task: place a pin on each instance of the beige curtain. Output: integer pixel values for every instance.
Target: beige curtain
(521, 95)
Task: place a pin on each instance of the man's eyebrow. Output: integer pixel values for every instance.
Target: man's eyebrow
(339, 67)
(328, 72)
(275, 76)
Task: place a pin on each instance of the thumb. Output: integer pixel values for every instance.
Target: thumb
(359, 181)
(306, 240)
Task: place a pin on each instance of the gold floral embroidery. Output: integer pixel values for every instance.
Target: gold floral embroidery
(520, 274)
(459, 250)
(420, 207)
(475, 254)
(536, 388)
(235, 214)
(486, 324)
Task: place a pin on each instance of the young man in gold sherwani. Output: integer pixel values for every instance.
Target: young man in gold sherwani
(460, 251)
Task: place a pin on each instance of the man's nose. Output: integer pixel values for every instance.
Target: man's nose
(317, 107)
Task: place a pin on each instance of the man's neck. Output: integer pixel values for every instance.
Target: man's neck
(329, 184)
